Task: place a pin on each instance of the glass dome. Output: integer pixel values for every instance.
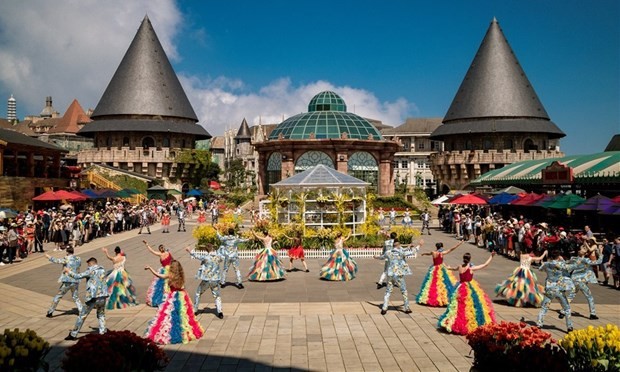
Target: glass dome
(326, 118)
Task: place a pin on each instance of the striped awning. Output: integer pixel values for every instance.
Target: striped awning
(600, 167)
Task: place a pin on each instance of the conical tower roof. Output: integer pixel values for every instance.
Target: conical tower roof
(244, 131)
(496, 95)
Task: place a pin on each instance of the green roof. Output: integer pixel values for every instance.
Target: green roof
(327, 118)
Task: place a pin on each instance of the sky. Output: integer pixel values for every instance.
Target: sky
(265, 60)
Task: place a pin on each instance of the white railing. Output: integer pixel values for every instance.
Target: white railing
(249, 254)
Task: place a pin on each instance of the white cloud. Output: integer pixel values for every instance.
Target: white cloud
(221, 105)
(71, 49)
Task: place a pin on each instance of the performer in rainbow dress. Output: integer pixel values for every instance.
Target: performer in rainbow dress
(175, 321)
(340, 266)
(438, 283)
(469, 306)
(267, 265)
(121, 292)
(522, 288)
(159, 287)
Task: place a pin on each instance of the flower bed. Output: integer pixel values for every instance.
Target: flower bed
(593, 349)
(22, 351)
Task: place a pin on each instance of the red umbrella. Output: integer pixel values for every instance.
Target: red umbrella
(215, 185)
(57, 195)
(468, 199)
(78, 196)
(528, 199)
(616, 199)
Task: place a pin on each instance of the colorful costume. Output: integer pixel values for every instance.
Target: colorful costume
(581, 276)
(340, 266)
(396, 272)
(159, 287)
(267, 265)
(521, 288)
(120, 288)
(387, 246)
(67, 283)
(202, 217)
(469, 307)
(296, 252)
(175, 321)
(209, 276)
(96, 295)
(230, 250)
(165, 223)
(557, 285)
(438, 284)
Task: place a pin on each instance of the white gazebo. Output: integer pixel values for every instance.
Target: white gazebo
(324, 196)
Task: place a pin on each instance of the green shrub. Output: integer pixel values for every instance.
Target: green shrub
(392, 202)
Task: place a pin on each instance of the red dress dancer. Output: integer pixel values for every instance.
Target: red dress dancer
(202, 216)
(165, 222)
(296, 253)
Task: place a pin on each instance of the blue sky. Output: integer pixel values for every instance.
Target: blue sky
(389, 60)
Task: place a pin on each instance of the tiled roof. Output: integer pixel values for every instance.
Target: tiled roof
(20, 139)
(415, 125)
(70, 121)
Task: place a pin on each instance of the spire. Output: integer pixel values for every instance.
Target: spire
(11, 109)
(244, 131)
(71, 121)
(145, 82)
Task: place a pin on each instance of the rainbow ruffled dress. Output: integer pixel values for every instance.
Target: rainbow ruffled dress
(521, 288)
(469, 307)
(339, 267)
(159, 287)
(267, 266)
(174, 322)
(121, 291)
(438, 284)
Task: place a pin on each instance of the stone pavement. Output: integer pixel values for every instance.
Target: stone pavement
(301, 323)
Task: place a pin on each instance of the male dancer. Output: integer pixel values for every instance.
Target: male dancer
(144, 220)
(387, 246)
(426, 220)
(181, 216)
(67, 283)
(581, 276)
(230, 244)
(557, 286)
(209, 276)
(96, 295)
(397, 269)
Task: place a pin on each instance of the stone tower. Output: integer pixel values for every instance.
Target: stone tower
(11, 110)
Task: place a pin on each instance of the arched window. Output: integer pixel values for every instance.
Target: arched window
(148, 142)
(311, 158)
(166, 142)
(274, 169)
(125, 141)
(469, 145)
(108, 141)
(529, 145)
(508, 144)
(487, 144)
(363, 165)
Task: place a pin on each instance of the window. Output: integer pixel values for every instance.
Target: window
(487, 144)
(125, 141)
(421, 146)
(166, 142)
(404, 164)
(311, 158)
(274, 169)
(469, 145)
(148, 142)
(363, 165)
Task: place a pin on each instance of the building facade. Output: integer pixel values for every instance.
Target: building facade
(495, 119)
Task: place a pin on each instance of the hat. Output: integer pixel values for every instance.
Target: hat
(544, 225)
(593, 239)
(2, 228)
(527, 226)
(563, 234)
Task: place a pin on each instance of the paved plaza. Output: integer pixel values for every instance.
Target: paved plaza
(298, 324)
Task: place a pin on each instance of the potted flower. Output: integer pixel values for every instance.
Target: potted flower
(205, 235)
(593, 349)
(22, 351)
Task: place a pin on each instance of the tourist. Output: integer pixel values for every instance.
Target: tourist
(582, 275)
(175, 321)
(387, 246)
(396, 272)
(13, 241)
(4, 244)
(159, 287)
(96, 295)
(121, 291)
(209, 276)
(340, 266)
(267, 265)
(230, 250)
(67, 283)
(614, 263)
(557, 286)
(522, 288)
(608, 249)
(469, 307)
(438, 283)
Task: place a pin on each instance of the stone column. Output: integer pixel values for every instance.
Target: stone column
(288, 165)
(342, 162)
(386, 178)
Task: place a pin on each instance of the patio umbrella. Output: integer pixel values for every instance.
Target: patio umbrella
(544, 201)
(527, 199)
(174, 192)
(194, 192)
(441, 200)
(215, 185)
(123, 194)
(56, 196)
(596, 203)
(510, 190)
(7, 213)
(616, 199)
(79, 196)
(502, 199)
(613, 209)
(106, 193)
(566, 201)
(468, 199)
(90, 193)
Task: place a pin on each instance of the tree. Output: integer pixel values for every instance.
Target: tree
(201, 165)
(236, 175)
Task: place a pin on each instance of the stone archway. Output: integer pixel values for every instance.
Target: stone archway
(309, 159)
(363, 165)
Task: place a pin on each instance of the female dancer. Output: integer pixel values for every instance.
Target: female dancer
(438, 283)
(267, 265)
(469, 306)
(202, 216)
(340, 266)
(296, 253)
(165, 223)
(159, 287)
(521, 288)
(175, 321)
(120, 286)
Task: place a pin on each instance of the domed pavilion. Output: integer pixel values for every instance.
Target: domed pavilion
(329, 135)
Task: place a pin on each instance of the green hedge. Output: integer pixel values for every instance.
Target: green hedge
(392, 202)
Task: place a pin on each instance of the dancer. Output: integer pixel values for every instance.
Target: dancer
(175, 321)
(144, 220)
(159, 287)
(67, 283)
(202, 216)
(296, 252)
(209, 276)
(582, 275)
(340, 266)
(267, 265)
(557, 285)
(438, 283)
(165, 223)
(521, 288)
(121, 291)
(397, 269)
(181, 217)
(426, 221)
(469, 307)
(387, 246)
(230, 250)
(96, 295)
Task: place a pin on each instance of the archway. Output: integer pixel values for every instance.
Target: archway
(274, 169)
(311, 158)
(362, 165)
(148, 142)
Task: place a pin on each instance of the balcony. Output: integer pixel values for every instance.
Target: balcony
(491, 156)
(127, 155)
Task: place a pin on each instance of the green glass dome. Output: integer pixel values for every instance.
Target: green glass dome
(327, 118)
